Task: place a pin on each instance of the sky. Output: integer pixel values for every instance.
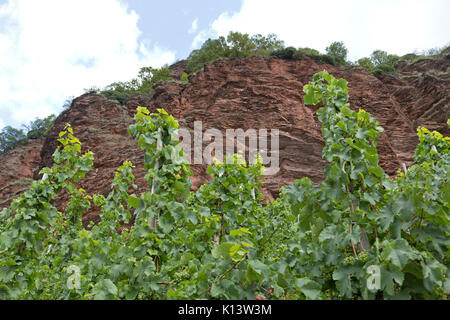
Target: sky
(51, 50)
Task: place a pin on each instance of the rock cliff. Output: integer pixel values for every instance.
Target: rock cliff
(252, 93)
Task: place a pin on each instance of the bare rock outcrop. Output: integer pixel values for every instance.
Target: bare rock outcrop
(16, 170)
(252, 93)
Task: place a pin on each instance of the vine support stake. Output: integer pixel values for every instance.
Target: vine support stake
(153, 222)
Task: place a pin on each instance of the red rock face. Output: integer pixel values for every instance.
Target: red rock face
(16, 170)
(102, 127)
(422, 91)
(267, 93)
(257, 93)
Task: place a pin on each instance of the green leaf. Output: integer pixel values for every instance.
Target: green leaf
(309, 98)
(405, 207)
(377, 171)
(386, 217)
(133, 201)
(239, 232)
(204, 211)
(398, 252)
(328, 233)
(110, 287)
(162, 111)
(210, 170)
(433, 272)
(447, 286)
(222, 250)
(308, 287)
(445, 192)
(117, 269)
(251, 274)
(343, 280)
(43, 215)
(191, 217)
(104, 290)
(7, 273)
(165, 222)
(258, 266)
(216, 290)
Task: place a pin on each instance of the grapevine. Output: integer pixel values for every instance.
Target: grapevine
(221, 242)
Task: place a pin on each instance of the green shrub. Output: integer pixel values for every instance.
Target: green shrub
(266, 44)
(240, 45)
(120, 96)
(383, 68)
(297, 54)
(285, 53)
(92, 90)
(148, 77)
(11, 138)
(366, 63)
(379, 57)
(410, 57)
(40, 127)
(382, 57)
(338, 52)
(324, 58)
(381, 62)
(142, 85)
(185, 77)
(308, 52)
(68, 102)
(236, 45)
(210, 51)
(445, 50)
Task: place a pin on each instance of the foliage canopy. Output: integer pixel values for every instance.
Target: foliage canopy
(235, 45)
(313, 242)
(11, 138)
(382, 62)
(146, 79)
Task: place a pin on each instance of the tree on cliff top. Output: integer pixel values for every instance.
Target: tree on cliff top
(142, 85)
(338, 52)
(236, 45)
(11, 138)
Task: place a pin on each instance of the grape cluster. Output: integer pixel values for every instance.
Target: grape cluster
(349, 260)
(363, 256)
(181, 275)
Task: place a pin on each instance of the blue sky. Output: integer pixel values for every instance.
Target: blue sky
(53, 49)
(168, 23)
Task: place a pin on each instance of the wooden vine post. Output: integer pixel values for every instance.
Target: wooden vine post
(153, 221)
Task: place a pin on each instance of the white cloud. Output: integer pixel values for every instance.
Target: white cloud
(52, 49)
(202, 36)
(395, 26)
(194, 26)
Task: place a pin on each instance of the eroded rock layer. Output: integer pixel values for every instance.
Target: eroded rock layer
(253, 93)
